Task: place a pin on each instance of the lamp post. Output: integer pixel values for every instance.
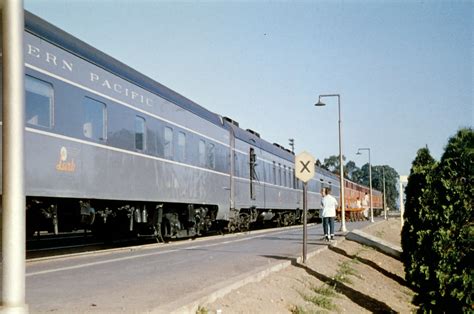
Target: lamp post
(341, 167)
(384, 195)
(370, 183)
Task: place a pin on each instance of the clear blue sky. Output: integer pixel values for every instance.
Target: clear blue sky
(404, 69)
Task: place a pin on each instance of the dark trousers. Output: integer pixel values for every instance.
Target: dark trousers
(328, 223)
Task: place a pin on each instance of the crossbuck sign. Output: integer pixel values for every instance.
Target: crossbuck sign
(304, 166)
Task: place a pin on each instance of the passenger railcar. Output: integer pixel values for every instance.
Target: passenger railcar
(109, 149)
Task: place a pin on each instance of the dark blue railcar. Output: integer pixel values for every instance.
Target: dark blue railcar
(110, 149)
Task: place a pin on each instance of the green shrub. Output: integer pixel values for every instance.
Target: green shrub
(453, 236)
(438, 236)
(416, 237)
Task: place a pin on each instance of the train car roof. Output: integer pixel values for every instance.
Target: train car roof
(327, 173)
(254, 140)
(39, 27)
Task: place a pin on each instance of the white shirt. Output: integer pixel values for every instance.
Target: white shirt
(329, 204)
(365, 201)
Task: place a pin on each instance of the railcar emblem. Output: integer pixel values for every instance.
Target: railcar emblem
(64, 165)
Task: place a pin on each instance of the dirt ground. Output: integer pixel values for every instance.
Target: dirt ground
(346, 278)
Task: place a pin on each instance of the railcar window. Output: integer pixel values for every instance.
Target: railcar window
(39, 102)
(279, 174)
(211, 156)
(274, 174)
(284, 176)
(202, 153)
(181, 148)
(140, 133)
(268, 175)
(292, 176)
(93, 126)
(168, 151)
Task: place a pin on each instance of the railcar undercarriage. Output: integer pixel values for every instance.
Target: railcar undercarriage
(111, 219)
(245, 219)
(114, 219)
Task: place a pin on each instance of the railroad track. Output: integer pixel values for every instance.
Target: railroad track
(50, 245)
(47, 245)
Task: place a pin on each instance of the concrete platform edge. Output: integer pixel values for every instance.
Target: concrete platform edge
(250, 278)
(355, 235)
(375, 242)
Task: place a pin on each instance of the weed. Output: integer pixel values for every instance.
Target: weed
(325, 290)
(321, 301)
(345, 270)
(297, 310)
(202, 310)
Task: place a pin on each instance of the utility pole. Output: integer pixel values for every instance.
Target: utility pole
(292, 144)
(384, 195)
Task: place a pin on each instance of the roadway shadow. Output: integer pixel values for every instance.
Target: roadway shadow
(299, 241)
(372, 264)
(365, 301)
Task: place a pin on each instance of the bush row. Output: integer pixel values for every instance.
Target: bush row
(438, 231)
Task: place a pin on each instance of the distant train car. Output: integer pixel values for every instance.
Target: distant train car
(355, 193)
(111, 150)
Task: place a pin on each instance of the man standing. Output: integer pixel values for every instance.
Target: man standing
(365, 205)
(329, 205)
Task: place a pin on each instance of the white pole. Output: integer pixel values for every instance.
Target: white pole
(13, 198)
(402, 206)
(341, 171)
(384, 195)
(370, 188)
(305, 217)
(403, 179)
(341, 165)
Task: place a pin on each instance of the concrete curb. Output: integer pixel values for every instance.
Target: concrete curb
(222, 290)
(377, 243)
(248, 278)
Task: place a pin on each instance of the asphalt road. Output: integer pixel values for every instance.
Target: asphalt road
(160, 277)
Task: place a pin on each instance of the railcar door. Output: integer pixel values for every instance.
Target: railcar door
(253, 173)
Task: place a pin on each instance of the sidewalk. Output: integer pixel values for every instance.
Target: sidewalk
(365, 280)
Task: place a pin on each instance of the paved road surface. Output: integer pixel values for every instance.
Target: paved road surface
(161, 277)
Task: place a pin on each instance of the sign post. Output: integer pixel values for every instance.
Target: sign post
(304, 170)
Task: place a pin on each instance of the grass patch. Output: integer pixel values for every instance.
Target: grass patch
(297, 310)
(202, 310)
(345, 270)
(325, 290)
(321, 301)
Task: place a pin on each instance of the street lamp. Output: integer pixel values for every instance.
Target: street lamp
(370, 183)
(384, 195)
(341, 169)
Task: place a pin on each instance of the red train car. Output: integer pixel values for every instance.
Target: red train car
(354, 195)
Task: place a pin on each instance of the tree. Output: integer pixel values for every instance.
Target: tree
(438, 241)
(391, 180)
(361, 176)
(350, 168)
(416, 237)
(453, 225)
(391, 177)
(332, 164)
